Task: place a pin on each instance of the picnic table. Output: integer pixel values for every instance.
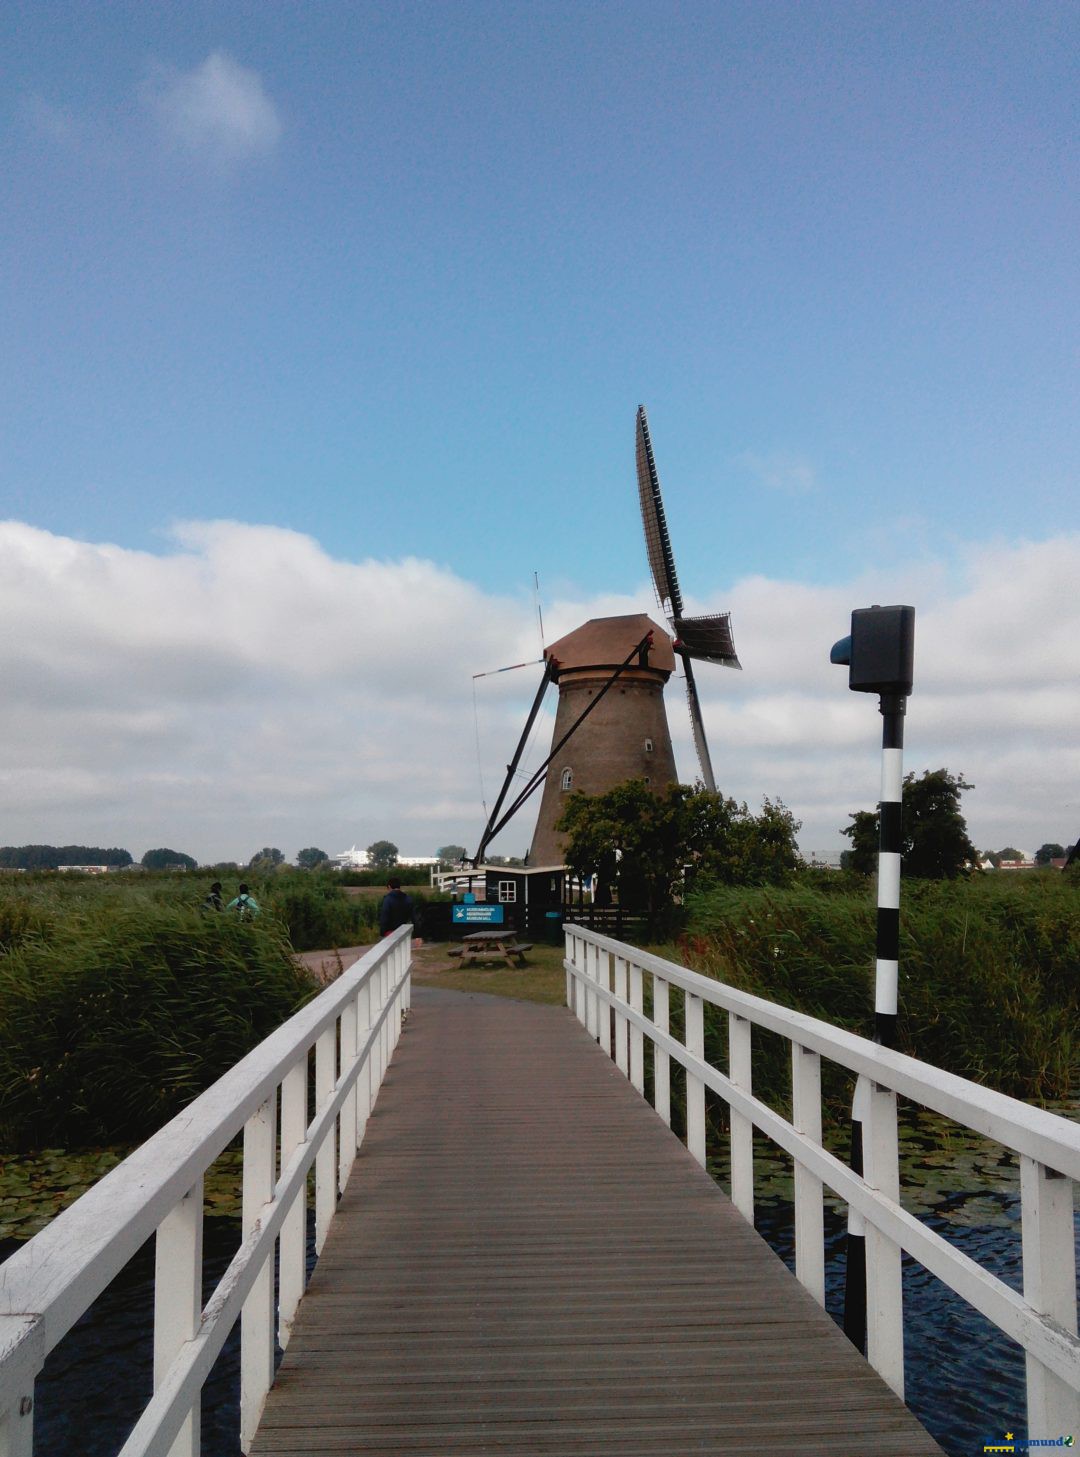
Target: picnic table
(490, 946)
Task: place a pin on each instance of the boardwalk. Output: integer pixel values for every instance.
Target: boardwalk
(527, 1262)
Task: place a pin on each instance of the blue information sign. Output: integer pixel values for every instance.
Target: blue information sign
(483, 915)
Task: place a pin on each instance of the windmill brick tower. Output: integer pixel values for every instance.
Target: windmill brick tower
(625, 737)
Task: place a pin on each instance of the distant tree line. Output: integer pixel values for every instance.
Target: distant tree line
(51, 857)
(165, 859)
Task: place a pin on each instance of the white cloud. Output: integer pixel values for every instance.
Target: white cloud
(246, 688)
(219, 111)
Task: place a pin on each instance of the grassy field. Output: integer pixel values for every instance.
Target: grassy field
(542, 979)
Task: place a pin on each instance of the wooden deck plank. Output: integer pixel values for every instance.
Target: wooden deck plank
(527, 1262)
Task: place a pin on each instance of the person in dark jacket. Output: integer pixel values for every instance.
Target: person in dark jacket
(395, 908)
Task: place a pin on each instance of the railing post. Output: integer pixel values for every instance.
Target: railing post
(347, 1117)
(695, 1088)
(178, 1299)
(17, 1426)
(603, 1009)
(257, 1317)
(592, 1021)
(568, 955)
(742, 1130)
(384, 1036)
(363, 1081)
(637, 1037)
(622, 1025)
(661, 1012)
(809, 1204)
(325, 1186)
(1046, 1204)
(292, 1243)
(884, 1291)
(406, 996)
(397, 967)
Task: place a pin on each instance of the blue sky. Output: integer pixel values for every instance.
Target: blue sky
(395, 277)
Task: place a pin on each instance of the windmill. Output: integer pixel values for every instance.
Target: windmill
(707, 639)
(611, 724)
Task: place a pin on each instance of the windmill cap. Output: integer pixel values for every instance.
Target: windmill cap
(605, 642)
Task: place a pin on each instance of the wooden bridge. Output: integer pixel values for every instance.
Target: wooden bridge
(527, 1261)
(523, 1257)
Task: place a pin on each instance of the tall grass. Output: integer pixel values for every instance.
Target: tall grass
(122, 1014)
(989, 969)
(121, 998)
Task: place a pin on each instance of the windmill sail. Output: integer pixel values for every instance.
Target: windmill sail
(698, 726)
(657, 540)
(708, 639)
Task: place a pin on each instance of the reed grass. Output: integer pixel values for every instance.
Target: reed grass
(122, 998)
(989, 970)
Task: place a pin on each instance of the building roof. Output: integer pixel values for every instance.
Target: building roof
(604, 642)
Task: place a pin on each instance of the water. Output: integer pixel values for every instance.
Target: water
(965, 1380)
(96, 1382)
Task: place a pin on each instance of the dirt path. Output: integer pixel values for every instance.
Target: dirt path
(429, 959)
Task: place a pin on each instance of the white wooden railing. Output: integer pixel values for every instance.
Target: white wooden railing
(349, 1032)
(606, 983)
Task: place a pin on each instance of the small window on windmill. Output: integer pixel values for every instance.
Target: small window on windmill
(648, 746)
(567, 781)
(507, 891)
(647, 779)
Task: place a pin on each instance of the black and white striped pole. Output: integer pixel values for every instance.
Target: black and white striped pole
(880, 656)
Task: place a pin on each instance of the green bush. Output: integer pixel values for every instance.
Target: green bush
(988, 970)
(125, 1013)
(315, 912)
(121, 998)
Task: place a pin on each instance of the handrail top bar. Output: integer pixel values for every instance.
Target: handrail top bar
(1046, 1137)
(108, 1224)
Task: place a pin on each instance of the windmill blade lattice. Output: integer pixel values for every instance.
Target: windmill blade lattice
(709, 639)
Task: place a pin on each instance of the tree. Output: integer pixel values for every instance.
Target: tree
(863, 834)
(934, 837)
(50, 857)
(452, 854)
(265, 860)
(166, 859)
(1050, 851)
(382, 855)
(641, 845)
(308, 859)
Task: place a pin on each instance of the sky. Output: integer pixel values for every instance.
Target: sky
(324, 330)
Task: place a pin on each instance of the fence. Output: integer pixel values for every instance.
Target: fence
(607, 983)
(301, 1098)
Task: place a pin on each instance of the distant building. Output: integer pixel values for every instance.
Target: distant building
(356, 859)
(823, 859)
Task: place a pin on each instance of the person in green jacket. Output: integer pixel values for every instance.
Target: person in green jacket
(245, 905)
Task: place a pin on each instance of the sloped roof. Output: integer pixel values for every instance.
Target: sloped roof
(604, 642)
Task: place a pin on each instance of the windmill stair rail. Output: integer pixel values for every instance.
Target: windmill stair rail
(348, 1033)
(608, 985)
